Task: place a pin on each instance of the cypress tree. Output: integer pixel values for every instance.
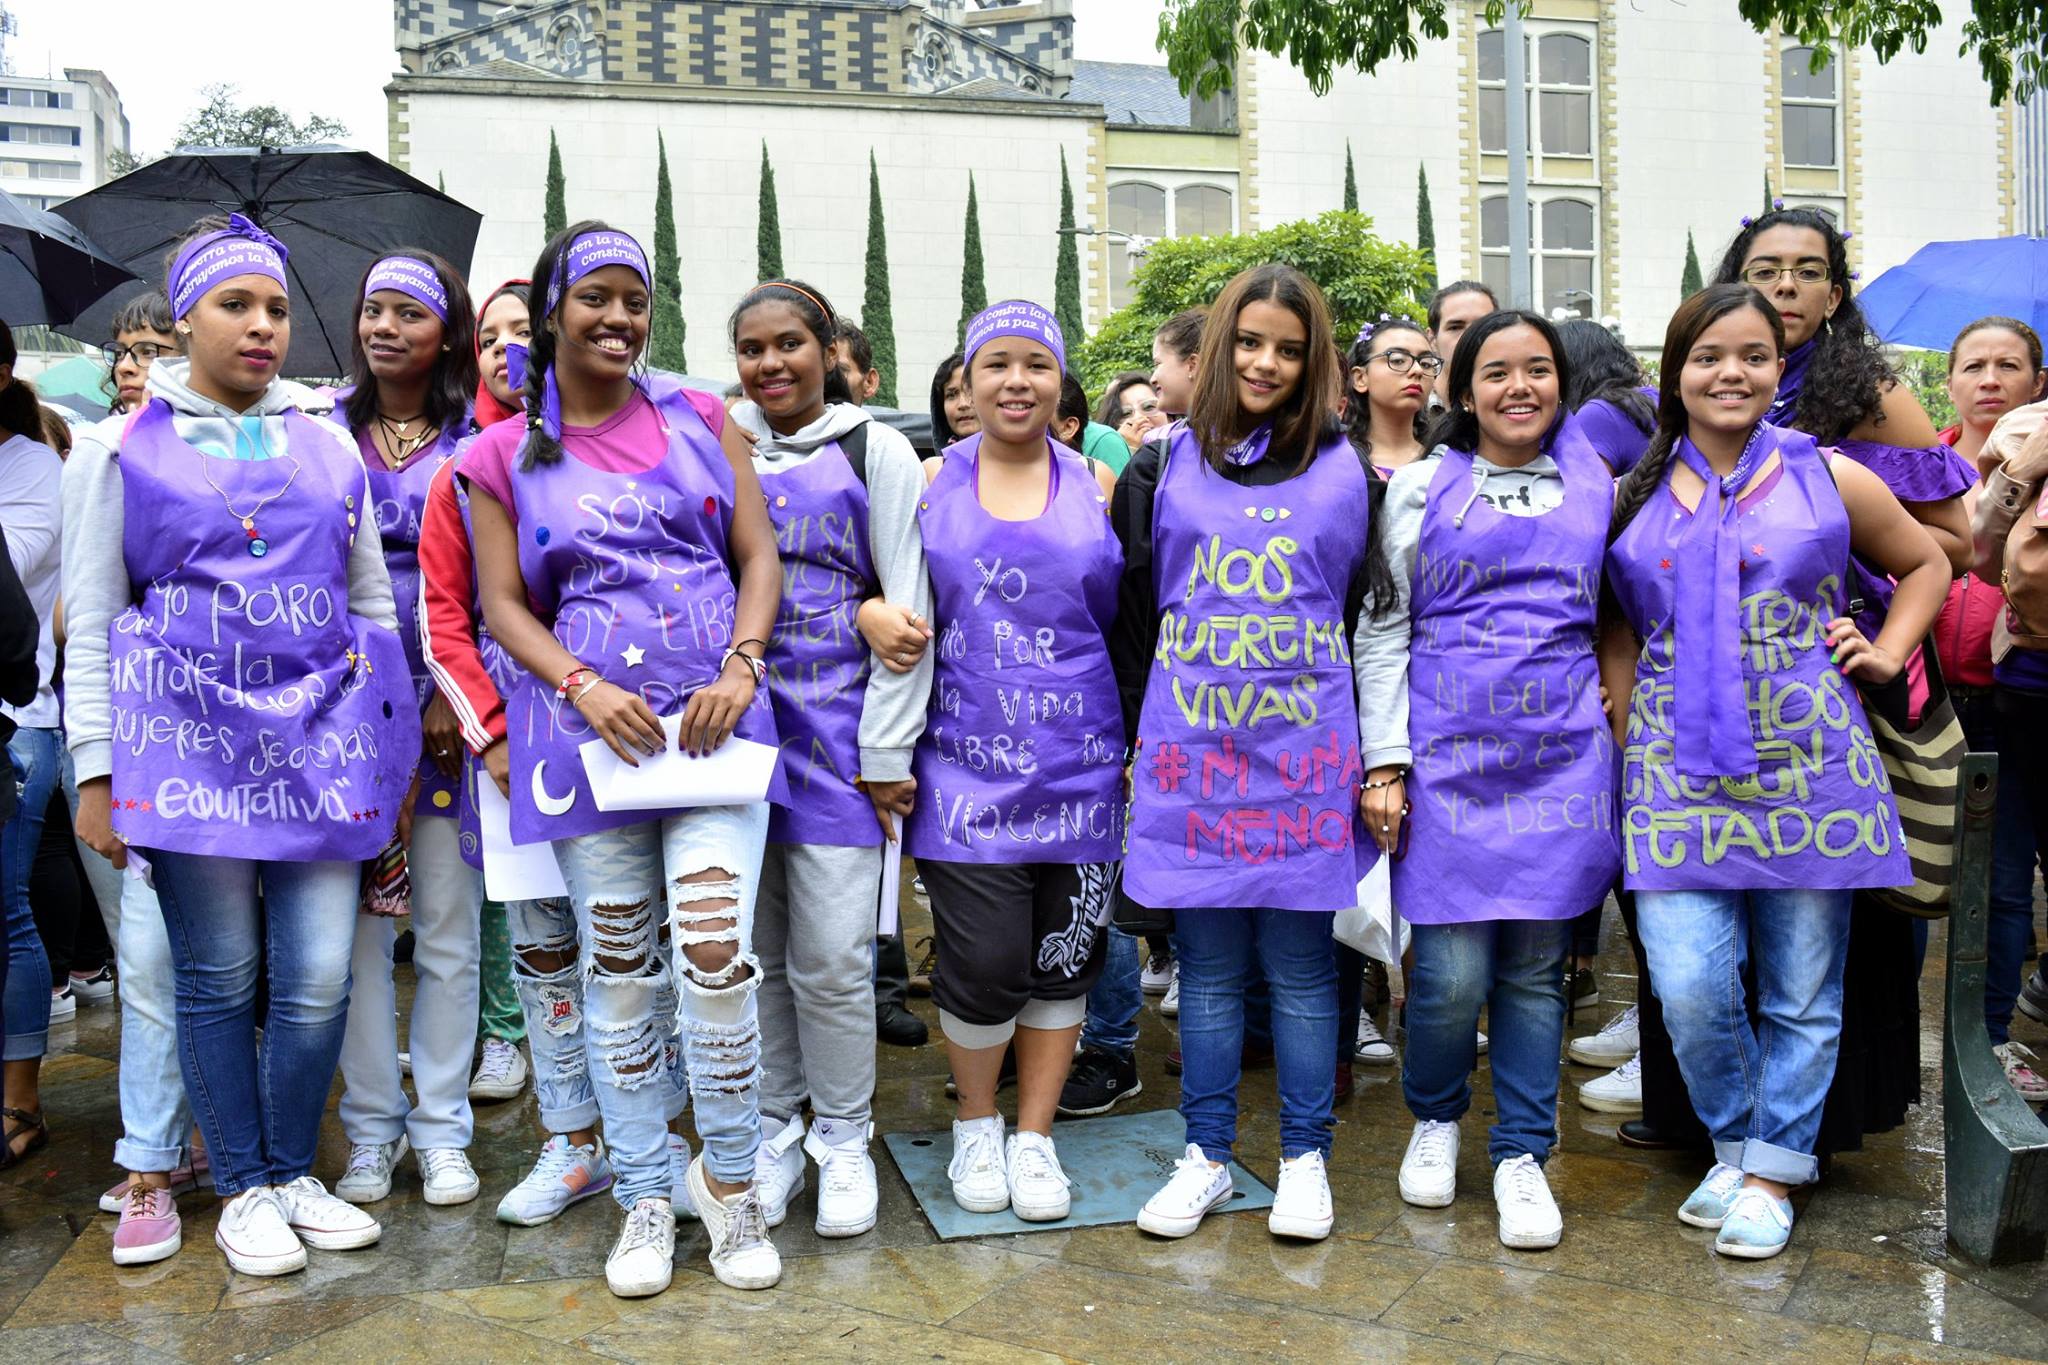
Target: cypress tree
(1767, 192)
(877, 317)
(441, 181)
(669, 328)
(555, 216)
(1690, 282)
(1066, 275)
(1350, 181)
(973, 277)
(768, 237)
(1425, 235)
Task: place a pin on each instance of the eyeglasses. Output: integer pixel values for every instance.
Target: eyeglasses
(144, 352)
(1400, 361)
(1764, 276)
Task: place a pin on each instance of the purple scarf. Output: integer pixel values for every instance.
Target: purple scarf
(240, 248)
(1779, 414)
(1713, 733)
(1252, 448)
(411, 277)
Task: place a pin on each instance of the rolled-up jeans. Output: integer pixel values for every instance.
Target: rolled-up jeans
(32, 753)
(1114, 1001)
(1759, 1087)
(699, 867)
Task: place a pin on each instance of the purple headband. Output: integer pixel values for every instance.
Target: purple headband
(411, 277)
(240, 248)
(1015, 317)
(595, 251)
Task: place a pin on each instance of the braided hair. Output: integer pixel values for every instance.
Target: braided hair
(540, 448)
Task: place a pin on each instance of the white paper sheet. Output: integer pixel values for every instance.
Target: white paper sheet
(734, 774)
(888, 919)
(513, 872)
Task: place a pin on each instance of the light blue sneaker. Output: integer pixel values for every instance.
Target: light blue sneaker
(1707, 1206)
(1757, 1227)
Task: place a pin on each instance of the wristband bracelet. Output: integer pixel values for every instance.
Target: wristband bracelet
(584, 690)
(755, 667)
(1401, 776)
(569, 678)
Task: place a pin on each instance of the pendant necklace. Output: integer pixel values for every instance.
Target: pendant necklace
(258, 546)
(400, 447)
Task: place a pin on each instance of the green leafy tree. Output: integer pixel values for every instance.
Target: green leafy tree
(877, 314)
(1361, 276)
(973, 276)
(555, 214)
(768, 236)
(222, 120)
(668, 326)
(1202, 39)
(1066, 275)
(1350, 181)
(1690, 282)
(1926, 374)
(1425, 235)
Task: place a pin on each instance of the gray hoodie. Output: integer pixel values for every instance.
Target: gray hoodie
(892, 714)
(96, 586)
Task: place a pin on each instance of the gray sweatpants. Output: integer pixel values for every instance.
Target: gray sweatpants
(814, 931)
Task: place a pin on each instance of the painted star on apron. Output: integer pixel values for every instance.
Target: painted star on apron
(633, 655)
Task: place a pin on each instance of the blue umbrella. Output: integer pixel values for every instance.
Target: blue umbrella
(1948, 285)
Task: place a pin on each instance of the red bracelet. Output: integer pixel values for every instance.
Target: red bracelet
(562, 687)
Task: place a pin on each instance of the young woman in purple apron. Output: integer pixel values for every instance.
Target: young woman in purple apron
(1245, 565)
(628, 563)
(1753, 800)
(414, 363)
(1482, 674)
(1018, 817)
(236, 684)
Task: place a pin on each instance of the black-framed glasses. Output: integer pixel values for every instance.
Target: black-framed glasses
(1400, 361)
(1763, 276)
(145, 352)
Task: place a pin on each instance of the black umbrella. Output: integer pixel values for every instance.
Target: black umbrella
(50, 271)
(336, 209)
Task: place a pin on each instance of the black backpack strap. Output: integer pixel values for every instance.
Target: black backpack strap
(854, 445)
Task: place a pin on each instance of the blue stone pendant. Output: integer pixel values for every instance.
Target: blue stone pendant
(259, 547)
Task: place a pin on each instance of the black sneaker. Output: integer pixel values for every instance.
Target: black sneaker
(1099, 1082)
(2033, 1001)
(1581, 988)
(898, 1027)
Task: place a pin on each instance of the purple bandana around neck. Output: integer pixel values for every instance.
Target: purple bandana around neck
(240, 248)
(595, 251)
(1779, 414)
(1252, 448)
(1016, 317)
(413, 278)
(1713, 732)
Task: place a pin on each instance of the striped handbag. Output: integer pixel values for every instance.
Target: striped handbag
(1923, 759)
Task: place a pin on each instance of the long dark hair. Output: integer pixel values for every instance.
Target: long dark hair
(21, 412)
(818, 318)
(943, 434)
(452, 385)
(1603, 368)
(1358, 412)
(1848, 375)
(1309, 416)
(1693, 317)
(541, 448)
(1458, 428)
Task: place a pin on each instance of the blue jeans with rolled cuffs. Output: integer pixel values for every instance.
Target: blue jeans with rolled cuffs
(1515, 968)
(1115, 999)
(32, 754)
(258, 1104)
(1221, 952)
(624, 885)
(1759, 1087)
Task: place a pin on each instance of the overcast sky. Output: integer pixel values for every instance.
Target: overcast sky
(333, 57)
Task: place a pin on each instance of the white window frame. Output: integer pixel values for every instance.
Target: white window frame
(1533, 34)
(1542, 252)
(1170, 182)
(1833, 104)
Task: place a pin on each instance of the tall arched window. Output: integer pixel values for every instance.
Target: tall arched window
(1811, 102)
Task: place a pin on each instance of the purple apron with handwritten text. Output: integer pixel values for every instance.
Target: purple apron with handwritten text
(1513, 780)
(400, 499)
(632, 570)
(1021, 760)
(254, 717)
(818, 666)
(1245, 792)
(1818, 814)
(504, 672)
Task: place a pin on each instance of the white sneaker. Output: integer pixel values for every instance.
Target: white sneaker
(1480, 1046)
(1529, 1220)
(847, 1197)
(1429, 1171)
(255, 1236)
(564, 1175)
(1616, 1042)
(63, 1004)
(643, 1260)
(1039, 1190)
(1198, 1185)
(1373, 1048)
(323, 1222)
(679, 1200)
(447, 1175)
(1157, 973)
(367, 1177)
(742, 1257)
(779, 1166)
(1301, 1200)
(2016, 1059)
(1620, 1091)
(1170, 1004)
(500, 1072)
(980, 1175)
(96, 986)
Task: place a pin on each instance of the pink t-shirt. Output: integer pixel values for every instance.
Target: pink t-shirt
(628, 442)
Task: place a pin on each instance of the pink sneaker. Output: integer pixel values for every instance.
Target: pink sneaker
(149, 1229)
(189, 1175)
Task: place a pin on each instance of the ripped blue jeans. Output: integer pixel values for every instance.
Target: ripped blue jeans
(695, 873)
